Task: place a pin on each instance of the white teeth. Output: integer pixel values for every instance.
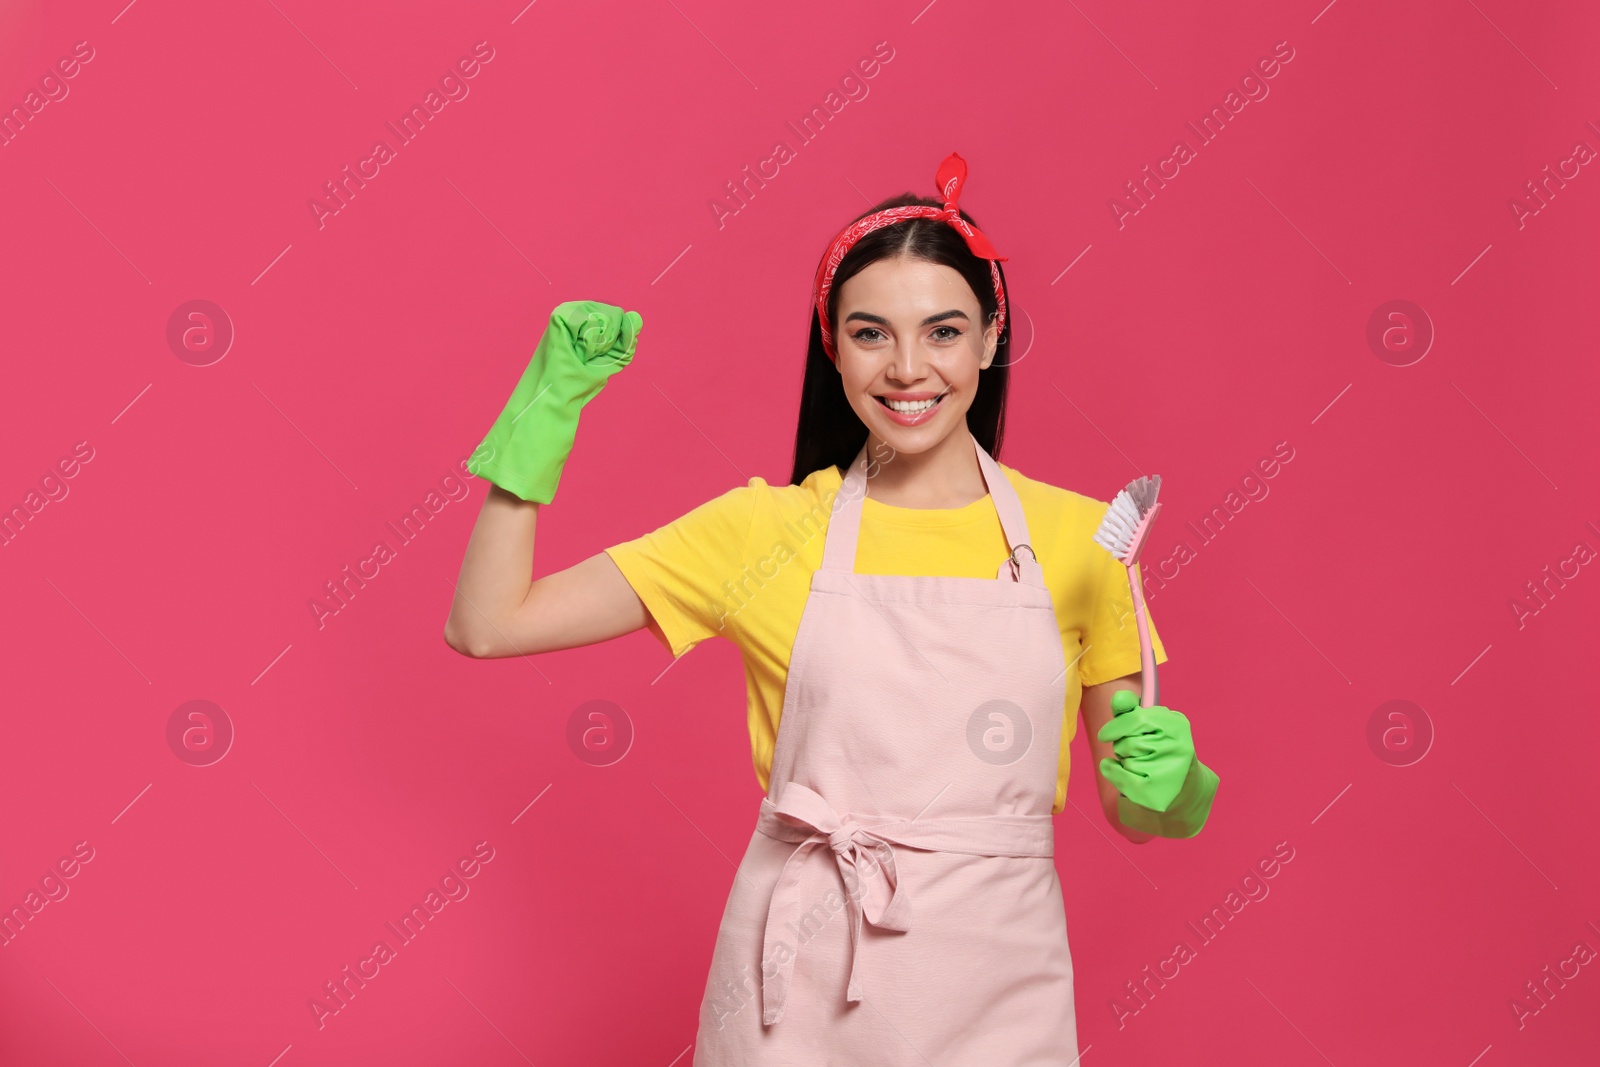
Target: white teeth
(911, 407)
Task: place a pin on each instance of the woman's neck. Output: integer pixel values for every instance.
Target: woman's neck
(945, 476)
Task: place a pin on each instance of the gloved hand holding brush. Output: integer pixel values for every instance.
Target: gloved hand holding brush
(1165, 789)
(585, 343)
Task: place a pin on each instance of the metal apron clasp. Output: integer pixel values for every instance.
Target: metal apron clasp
(1016, 564)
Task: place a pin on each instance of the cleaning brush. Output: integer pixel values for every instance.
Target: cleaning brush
(1123, 532)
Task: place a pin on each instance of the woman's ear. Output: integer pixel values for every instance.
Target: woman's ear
(991, 341)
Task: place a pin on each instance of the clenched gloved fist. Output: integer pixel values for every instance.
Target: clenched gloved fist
(585, 343)
(1165, 789)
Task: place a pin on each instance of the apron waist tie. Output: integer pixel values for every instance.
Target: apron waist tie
(862, 848)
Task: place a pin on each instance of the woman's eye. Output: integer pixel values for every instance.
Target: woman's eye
(861, 335)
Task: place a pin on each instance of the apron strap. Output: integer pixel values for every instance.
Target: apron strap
(844, 526)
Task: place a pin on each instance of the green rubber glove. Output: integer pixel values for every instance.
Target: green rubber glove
(584, 345)
(1165, 789)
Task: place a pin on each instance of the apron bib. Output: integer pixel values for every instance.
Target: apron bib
(898, 902)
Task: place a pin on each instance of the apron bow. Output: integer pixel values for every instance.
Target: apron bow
(872, 890)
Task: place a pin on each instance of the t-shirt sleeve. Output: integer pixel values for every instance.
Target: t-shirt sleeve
(679, 569)
(1111, 642)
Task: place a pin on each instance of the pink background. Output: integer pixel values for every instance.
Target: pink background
(372, 352)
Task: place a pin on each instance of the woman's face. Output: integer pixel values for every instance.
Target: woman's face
(910, 332)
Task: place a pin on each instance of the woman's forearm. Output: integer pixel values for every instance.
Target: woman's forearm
(1138, 837)
(496, 574)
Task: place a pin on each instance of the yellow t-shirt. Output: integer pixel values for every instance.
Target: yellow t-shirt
(739, 566)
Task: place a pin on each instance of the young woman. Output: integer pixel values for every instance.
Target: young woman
(919, 626)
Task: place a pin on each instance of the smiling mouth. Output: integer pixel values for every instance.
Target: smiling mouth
(910, 408)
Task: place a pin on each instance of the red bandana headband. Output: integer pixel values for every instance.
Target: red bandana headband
(951, 176)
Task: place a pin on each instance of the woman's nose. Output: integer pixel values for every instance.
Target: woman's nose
(908, 360)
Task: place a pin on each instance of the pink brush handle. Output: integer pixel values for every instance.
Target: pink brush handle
(1147, 654)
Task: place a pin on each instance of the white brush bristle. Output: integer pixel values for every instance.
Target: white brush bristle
(1122, 518)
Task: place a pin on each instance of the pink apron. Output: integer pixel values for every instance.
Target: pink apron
(898, 902)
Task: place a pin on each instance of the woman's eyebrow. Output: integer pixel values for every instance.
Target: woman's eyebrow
(929, 321)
